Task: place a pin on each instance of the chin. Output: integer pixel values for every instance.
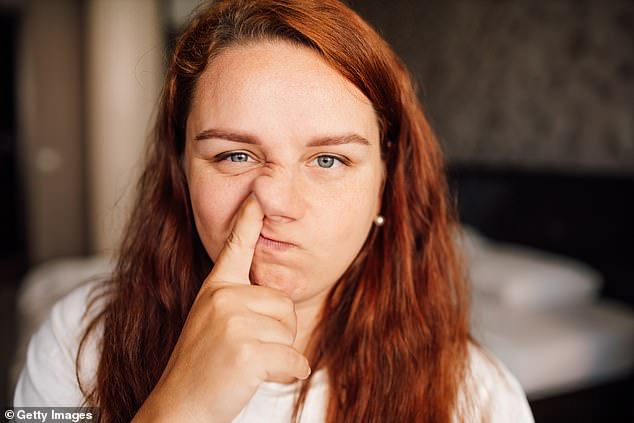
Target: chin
(277, 277)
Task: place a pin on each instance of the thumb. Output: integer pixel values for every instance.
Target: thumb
(234, 261)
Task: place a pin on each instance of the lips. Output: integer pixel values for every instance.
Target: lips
(275, 244)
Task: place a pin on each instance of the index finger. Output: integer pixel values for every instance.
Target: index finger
(234, 261)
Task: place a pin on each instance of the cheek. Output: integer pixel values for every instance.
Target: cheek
(345, 217)
(214, 203)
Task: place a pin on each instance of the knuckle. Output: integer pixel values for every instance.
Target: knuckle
(293, 358)
(221, 297)
(234, 323)
(289, 338)
(302, 365)
(246, 353)
(234, 241)
(206, 290)
(296, 362)
(288, 304)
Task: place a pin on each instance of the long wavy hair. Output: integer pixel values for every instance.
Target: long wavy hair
(393, 334)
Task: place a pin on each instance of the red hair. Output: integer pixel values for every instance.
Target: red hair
(393, 333)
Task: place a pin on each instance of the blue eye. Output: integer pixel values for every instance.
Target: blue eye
(328, 162)
(238, 157)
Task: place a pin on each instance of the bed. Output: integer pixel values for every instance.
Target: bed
(553, 285)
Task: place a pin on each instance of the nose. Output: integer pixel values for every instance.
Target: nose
(279, 194)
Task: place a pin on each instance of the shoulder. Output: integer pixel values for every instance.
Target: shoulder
(491, 392)
(49, 377)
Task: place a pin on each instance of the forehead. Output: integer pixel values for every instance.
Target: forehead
(278, 88)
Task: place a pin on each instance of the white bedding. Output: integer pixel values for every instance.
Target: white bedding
(562, 349)
(520, 277)
(541, 314)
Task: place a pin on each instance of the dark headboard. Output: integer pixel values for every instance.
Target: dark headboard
(589, 217)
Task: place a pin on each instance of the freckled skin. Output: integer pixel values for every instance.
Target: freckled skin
(285, 96)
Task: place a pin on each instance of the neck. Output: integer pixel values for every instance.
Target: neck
(308, 315)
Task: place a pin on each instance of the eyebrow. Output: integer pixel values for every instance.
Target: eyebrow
(226, 135)
(250, 139)
(338, 140)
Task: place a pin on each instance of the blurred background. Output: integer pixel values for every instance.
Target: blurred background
(533, 102)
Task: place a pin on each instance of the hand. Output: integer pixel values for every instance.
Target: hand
(236, 336)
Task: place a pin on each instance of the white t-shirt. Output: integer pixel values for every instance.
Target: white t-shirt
(48, 378)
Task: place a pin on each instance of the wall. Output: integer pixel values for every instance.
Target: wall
(89, 75)
(50, 128)
(546, 84)
(124, 73)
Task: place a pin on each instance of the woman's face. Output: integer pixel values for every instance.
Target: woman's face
(275, 119)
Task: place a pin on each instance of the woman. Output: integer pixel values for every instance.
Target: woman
(290, 256)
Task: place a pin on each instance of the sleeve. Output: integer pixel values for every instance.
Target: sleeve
(49, 375)
(498, 396)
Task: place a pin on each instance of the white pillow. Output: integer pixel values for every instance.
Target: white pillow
(525, 278)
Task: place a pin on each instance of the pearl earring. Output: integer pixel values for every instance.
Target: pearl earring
(379, 220)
